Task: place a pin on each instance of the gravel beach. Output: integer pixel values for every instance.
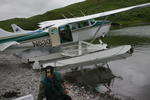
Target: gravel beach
(19, 79)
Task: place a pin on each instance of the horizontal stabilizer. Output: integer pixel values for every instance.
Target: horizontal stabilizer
(5, 45)
(3, 32)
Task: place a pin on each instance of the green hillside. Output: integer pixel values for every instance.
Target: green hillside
(139, 16)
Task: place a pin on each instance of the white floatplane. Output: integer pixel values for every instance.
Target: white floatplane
(57, 32)
(62, 32)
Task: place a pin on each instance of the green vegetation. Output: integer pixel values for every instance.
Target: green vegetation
(129, 18)
(139, 16)
(125, 40)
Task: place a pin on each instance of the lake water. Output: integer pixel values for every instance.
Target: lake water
(134, 70)
(133, 31)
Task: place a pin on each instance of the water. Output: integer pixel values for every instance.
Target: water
(135, 73)
(133, 31)
(135, 69)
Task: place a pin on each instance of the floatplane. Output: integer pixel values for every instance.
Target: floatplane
(63, 33)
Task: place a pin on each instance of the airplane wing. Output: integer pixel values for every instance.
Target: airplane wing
(5, 45)
(77, 19)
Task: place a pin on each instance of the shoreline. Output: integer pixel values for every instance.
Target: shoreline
(119, 26)
(19, 79)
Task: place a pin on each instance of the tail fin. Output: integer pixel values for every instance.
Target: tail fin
(16, 28)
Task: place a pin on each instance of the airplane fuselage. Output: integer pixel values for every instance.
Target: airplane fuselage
(84, 30)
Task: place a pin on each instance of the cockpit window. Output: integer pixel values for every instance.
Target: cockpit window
(62, 28)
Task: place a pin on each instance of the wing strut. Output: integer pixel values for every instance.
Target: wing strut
(95, 34)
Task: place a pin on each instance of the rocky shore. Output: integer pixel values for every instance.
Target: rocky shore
(18, 79)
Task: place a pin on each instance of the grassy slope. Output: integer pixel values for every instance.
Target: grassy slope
(88, 7)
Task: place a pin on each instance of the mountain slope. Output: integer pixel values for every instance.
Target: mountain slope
(88, 7)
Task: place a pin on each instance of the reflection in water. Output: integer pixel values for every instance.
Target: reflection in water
(91, 77)
(96, 80)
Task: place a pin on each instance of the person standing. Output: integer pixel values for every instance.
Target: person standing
(52, 86)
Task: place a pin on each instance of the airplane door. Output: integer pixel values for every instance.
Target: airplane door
(65, 34)
(54, 36)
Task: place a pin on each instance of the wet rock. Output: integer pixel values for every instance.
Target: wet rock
(10, 94)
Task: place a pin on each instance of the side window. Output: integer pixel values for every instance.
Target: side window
(79, 25)
(74, 26)
(83, 24)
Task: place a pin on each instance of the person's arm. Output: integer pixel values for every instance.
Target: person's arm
(65, 87)
(64, 84)
(41, 94)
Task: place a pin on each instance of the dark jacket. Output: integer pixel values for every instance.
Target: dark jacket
(52, 89)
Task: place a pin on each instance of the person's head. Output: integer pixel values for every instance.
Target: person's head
(49, 71)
